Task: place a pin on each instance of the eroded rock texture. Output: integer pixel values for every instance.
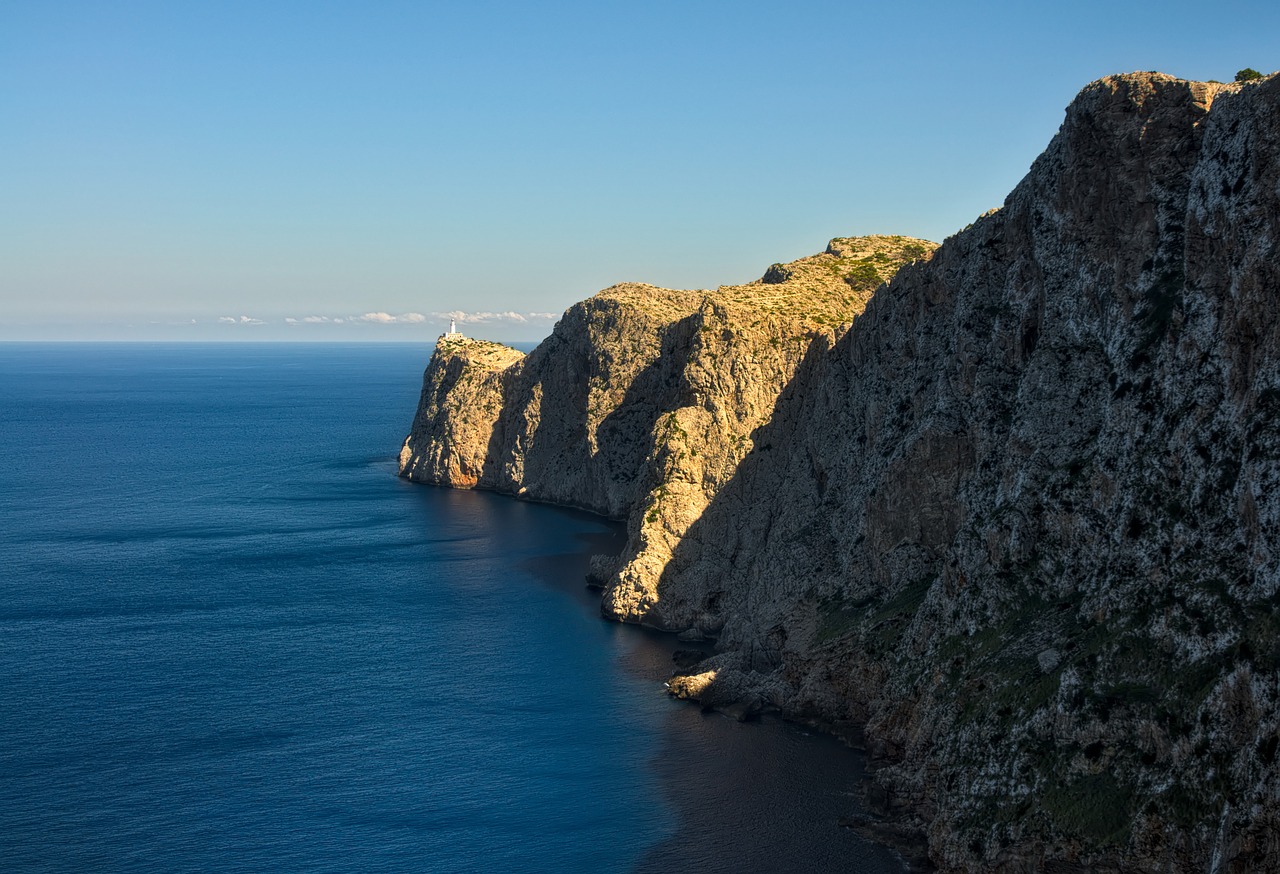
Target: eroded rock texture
(1021, 518)
(642, 401)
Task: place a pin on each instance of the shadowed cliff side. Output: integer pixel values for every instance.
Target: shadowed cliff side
(1019, 517)
(1018, 525)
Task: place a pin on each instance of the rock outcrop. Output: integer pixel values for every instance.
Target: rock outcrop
(1018, 514)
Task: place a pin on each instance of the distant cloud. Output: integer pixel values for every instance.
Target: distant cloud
(509, 316)
(381, 317)
(387, 318)
(243, 320)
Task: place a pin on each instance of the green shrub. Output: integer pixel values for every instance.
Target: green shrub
(1248, 74)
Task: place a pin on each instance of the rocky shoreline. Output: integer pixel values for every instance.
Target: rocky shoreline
(664, 656)
(1011, 505)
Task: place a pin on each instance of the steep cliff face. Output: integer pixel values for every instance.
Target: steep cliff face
(1021, 519)
(464, 392)
(642, 401)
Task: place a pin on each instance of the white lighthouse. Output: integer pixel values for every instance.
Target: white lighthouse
(453, 331)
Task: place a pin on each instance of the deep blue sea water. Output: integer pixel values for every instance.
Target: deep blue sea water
(232, 640)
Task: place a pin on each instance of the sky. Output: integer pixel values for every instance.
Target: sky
(365, 171)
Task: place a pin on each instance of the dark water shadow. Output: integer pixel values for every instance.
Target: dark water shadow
(757, 796)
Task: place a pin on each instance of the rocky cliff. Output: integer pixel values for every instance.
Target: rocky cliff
(642, 402)
(1017, 514)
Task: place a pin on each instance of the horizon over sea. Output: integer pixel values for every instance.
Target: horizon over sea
(235, 640)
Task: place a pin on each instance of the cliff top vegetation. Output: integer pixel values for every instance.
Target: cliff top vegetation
(482, 352)
(823, 290)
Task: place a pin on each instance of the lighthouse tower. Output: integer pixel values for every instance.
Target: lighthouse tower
(453, 331)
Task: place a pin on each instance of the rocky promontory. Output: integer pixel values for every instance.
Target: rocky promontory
(642, 402)
(1015, 512)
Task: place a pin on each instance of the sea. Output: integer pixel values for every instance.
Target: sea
(231, 639)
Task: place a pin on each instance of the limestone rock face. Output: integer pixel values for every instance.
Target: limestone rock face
(1018, 514)
(463, 395)
(641, 402)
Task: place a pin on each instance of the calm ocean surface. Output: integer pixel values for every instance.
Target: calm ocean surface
(233, 640)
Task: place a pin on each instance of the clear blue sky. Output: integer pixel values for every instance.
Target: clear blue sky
(168, 167)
